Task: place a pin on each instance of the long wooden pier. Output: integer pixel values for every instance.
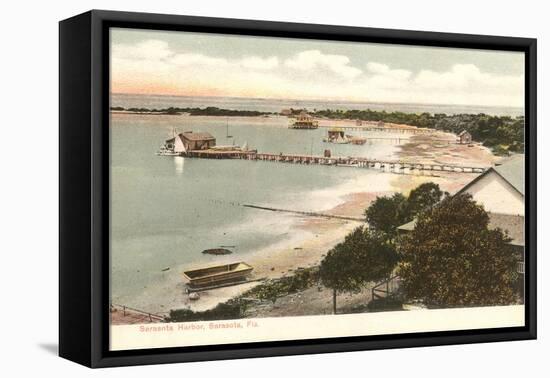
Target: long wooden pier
(400, 130)
(389, 166)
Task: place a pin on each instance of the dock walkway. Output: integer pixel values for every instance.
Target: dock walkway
(389, 166)
(396, 130)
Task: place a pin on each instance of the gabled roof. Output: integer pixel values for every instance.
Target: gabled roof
(408, 226)
(190, 135)
(512, 170)
(513, 224)
(463, 132)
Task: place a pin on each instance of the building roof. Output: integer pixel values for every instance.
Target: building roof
(463, 132)
(513, 171)
(190, 135)
(513, 224)
(408, 226)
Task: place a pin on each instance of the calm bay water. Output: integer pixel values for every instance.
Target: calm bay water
(166, 210)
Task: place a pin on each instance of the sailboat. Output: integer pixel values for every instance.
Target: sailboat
(227, 129)
(173, 146)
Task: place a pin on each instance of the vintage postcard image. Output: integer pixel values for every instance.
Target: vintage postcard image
(267, 189)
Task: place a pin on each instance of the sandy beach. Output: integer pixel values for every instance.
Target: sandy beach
(317, 300)
(317, 235)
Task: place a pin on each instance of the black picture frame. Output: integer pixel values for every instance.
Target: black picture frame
(84, 187)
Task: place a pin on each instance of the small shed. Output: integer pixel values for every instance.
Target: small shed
(197, 140)
(464, 137)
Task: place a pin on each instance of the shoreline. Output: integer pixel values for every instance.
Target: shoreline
(280, 102)
(328, 232)
(315, 236)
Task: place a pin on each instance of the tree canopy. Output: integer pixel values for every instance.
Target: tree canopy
(421, 198)
(452, 258)
(364, 256)
(207, 111)
(385, 214)
(502, 133)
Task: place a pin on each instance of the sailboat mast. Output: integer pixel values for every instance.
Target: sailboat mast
(227, 136)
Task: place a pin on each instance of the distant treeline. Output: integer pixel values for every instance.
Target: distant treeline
(503, 134)
(208, 111)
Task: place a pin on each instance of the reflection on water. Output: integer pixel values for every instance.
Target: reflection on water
(179, 161)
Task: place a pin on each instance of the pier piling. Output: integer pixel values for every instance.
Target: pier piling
(397, 167)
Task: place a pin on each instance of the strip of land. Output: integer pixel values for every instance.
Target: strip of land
(503, 134)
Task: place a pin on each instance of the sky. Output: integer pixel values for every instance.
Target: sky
(200, 64)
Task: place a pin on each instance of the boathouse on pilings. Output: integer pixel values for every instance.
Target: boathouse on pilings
(304, 121)
(193, 141)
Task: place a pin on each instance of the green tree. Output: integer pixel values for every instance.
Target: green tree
(340, 269)
(385, 214)
(364, 256)
(452, 258)
(422, 197)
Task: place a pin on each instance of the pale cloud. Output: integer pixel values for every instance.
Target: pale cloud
(466, 83)
(386, 71)
(465, 76)
(314, 60)
(257, 63)
(159, 51)
(150, 49)
(460, 84)
(381, 76)
(199, 60)
(151, 66)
